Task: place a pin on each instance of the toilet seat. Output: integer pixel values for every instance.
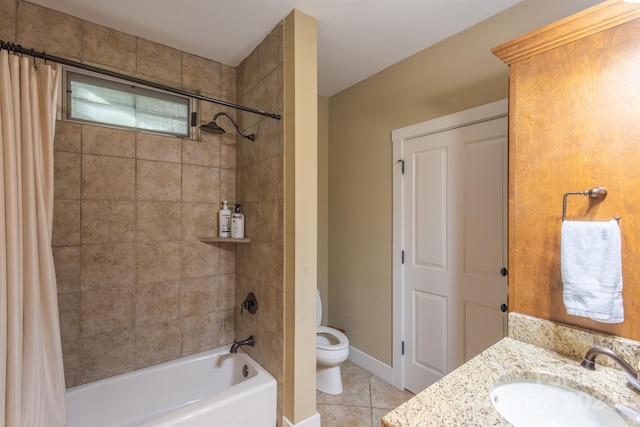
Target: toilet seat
(342, 340)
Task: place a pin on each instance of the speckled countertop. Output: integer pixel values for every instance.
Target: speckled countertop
(462, 397)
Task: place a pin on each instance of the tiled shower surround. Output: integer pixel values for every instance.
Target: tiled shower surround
(135, 286)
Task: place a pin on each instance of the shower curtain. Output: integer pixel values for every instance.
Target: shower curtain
(31, 369)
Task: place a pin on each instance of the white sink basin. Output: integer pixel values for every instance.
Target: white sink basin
(539, 403)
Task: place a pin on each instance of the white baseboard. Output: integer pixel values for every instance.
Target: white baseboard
(312, 421)
(371, 364)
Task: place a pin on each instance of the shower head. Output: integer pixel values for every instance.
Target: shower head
(212, 127)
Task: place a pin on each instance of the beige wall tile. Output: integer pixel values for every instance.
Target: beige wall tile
(228, 83)
(249, 72)
(270, 301)
(247, 184)
(157, 302)
(156, 344)
(201, 75)
(107, 266)
(269, 350)
(105, 356)
(200, 259)
(228, 152)
(68, 137)
(228, 187)
(199, 295)
(46, 30)
(269, 132)
(158, 61)
(108, 178)
(227, 326)
(202, 153)
(158, 181)
(199, 220)
(66, 223)
(158, 147)
(227, 297)
(271, 222)
(227, 258)
(251, 98)
(200, 333)
(108, 221)
(268, 175)
(158, 221)
(106, 311)
(66, 175)
(69, 310)
(70, 362)
(103, 45)
(270, 51)
(108, 141)
(8, 20)
(157, 262)
(270, 93)
(200, 184)
(68, 268)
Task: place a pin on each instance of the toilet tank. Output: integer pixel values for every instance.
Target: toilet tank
(318, 309)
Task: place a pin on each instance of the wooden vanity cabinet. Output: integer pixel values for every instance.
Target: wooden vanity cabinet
(574, 124)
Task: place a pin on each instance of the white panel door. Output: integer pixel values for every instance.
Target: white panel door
(454, 240)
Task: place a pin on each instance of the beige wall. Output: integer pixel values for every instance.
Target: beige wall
(323, 204)
(456, 74)
(300, 212)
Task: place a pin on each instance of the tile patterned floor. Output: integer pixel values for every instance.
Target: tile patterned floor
(365, 400)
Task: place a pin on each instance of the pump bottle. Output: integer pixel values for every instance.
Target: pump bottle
(237, 223)
(224, 221)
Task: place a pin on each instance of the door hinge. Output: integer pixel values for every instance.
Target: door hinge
(403, 348)
(402, 257)
(194, 118)
(401, 165)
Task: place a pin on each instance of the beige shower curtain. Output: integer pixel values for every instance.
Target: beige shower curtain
(31, 370)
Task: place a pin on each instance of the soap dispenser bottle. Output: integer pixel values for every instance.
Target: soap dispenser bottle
(237, 223)
(224, 221)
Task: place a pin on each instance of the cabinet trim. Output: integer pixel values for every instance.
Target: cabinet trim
(590, 21)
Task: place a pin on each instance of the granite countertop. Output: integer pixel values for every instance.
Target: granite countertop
(462, 397)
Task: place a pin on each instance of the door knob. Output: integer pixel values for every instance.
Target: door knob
(504, 272)
(504, 308)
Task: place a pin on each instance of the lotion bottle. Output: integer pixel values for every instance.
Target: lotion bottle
(237, 223)
(224, 221)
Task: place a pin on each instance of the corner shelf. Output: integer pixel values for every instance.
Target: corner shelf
(212, 240)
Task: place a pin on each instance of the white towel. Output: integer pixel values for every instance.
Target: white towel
(591, 264)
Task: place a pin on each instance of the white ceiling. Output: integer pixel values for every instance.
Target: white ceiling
(356, 38)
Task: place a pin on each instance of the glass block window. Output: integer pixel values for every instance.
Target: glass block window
(99, 100)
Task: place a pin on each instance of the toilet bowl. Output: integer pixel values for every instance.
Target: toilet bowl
(332, 348)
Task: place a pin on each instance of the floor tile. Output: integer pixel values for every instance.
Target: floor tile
(365, 400)
(344, 416)
(386, 396)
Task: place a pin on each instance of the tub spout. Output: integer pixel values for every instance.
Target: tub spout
(589, 360)
(249, 341)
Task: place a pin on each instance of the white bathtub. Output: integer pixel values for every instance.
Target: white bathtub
(206, 389)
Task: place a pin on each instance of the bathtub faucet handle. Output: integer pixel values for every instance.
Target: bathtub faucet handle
(250, 304)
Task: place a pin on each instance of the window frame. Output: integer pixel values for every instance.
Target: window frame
(125, 86)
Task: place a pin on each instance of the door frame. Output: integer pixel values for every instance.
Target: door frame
(471, 116)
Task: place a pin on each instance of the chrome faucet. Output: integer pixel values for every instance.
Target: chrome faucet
(249, 341)
(589, 360)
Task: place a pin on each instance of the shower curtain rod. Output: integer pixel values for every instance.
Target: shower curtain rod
(16, 48)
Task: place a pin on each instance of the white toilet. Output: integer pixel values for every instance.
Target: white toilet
(332, 348)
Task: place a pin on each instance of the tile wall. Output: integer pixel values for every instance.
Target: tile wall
(260, 183)
(135, 286)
